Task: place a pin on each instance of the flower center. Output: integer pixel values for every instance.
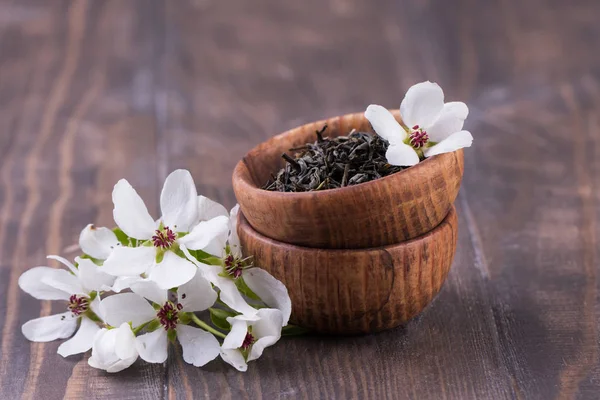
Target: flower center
(418, 137)
(234, 266)
(248, 341)
(164, 238)
(168, 315)
(78, 304)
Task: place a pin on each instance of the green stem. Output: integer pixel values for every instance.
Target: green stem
(206, 327)
(139, 328)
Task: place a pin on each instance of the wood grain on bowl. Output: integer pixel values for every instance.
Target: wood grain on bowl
(357, 291)
(385, 211)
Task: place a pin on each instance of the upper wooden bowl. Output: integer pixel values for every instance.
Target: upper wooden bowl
(357, 291)
(372, 214)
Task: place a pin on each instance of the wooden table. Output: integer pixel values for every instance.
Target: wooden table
(92, 91)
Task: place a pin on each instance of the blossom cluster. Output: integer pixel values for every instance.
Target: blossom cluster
(429, 126)
(138, 287)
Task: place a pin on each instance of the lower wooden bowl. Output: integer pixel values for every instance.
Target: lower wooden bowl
(357, 291)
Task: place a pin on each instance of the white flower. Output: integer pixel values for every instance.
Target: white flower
(227, 246)
(98, 242)
(249, 336)
(431, 127)
(180, 224)
(114, 349)
(199, 347)
(79, 288)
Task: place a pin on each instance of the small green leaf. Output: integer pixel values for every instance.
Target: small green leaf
(185, 318)
(245, 290)
(122, 236)
(219, 318)
(94, 260)
(153, 325)
(294, 330)
(160, 254)
(172, 335)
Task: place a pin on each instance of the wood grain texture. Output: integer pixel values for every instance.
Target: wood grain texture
(92, 91)
(387, 211)
(349, 291)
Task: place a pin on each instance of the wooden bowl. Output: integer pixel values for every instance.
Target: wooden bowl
(372, 214)
(341, 291)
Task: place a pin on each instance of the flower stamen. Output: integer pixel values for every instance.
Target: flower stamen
(164, 238)
(168, 315)
(248, 341)
(78, 304)
(418, 137)
(234, 266)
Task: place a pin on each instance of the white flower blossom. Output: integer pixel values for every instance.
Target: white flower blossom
(114, 350)
(199, 347)
(158, 258)
(98, 242)
(249, 336)
(79, 288)
(227, 246)
(430, 126)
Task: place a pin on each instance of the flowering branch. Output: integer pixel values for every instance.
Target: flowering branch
(137, 287)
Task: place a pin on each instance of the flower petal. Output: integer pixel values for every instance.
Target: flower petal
(125, 282)
(206, 232)
(97, 242)
(92, 277)
(234, 239)
(66, 282)
(422, 104)
(179, 201)
(150, 291)
(235, 358)
(270, 290)
(52, 327)
(401, 154)
(235, 337)
(130, 212)
(384, 124)
(199, 347)
(152, 346)
(32, 283)
(64, 262)
(267, 329)
(172, 271)
(83, 339)
(450, 120)
(125, 342)
(114, 349)
(197, 294)
(208, 209)
(129, 261)
(452, 143)
(126, 307)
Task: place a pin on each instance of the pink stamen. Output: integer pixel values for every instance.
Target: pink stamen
(164, 238)
(168, 315)
(418, 137)
(248, 341)
(78, 304)
(234, 266)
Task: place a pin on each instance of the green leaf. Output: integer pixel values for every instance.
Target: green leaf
(245, 290)
(153, 325)
(185, 318)
(294, 330)
(172, 335)
(122, 236)
(159, 256)
(219, 318)
(94, 260)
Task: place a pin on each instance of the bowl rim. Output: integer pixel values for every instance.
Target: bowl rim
(242, 220)
(248, 184)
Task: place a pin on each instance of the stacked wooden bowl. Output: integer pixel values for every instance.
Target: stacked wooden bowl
(358, 259)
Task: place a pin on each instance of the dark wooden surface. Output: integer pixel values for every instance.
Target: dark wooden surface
(92, 91)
